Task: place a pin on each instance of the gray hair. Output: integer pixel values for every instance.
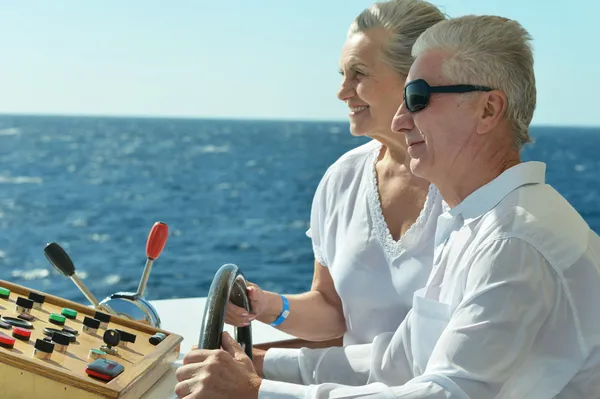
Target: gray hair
(490, 51)
(405, 20)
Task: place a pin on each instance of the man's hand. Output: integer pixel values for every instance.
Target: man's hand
(218, 374)
(258, 358)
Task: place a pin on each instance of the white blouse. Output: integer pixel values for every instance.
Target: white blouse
(374, 275)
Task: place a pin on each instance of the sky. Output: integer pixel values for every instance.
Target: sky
(261, 59)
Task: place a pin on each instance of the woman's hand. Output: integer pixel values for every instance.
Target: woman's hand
(238, 317)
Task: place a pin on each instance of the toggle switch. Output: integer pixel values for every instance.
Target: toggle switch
(49, 331)
(157, 338)
(24, 305)
(61, 342)
(38, 300)
(90, 325)
(126, 338)
(104, 319)
(43, 349)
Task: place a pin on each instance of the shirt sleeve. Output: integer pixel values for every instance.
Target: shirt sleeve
(345, 365)
(509, 291)
(316, 231)
(330, 372)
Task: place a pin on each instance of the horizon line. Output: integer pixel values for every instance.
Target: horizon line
(228, 118)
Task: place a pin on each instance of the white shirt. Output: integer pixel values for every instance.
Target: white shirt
(511, 310)
(374, 275)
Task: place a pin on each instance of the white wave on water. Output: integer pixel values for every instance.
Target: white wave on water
(213, 149)
(79, 222)
(300, 224)
(112, 279)
(38, 274)
(20, 180)
(2, 254)
(11, 131)
(100, 237)
(33, 274)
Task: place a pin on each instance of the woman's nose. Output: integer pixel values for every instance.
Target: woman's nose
(346, 91)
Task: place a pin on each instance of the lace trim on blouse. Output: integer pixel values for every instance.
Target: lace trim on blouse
(393, 248)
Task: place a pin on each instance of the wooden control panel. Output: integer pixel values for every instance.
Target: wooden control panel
(135, 352)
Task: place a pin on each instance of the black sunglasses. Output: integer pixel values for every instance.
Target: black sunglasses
(417, 92)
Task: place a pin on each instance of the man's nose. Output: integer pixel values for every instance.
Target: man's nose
(403, 120)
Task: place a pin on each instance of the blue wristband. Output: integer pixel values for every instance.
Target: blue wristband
(284, 313)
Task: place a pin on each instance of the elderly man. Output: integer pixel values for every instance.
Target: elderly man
(512, 306)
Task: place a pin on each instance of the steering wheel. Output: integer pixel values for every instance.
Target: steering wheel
(228, 283)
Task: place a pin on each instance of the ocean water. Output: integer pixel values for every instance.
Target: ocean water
(230, 191)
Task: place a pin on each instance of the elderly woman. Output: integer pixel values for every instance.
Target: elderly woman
(372, 221)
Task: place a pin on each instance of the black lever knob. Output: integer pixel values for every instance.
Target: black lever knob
(59, 259)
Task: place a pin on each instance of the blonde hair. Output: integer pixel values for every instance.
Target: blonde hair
(489, 51)
(405, 20)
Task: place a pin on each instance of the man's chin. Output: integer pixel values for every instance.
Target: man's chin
(419, 168)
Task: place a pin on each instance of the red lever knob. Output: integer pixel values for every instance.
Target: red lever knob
(156, 240)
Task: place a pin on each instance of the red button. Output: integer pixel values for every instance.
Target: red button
(96, 374)
(6, 340)
(21, 332)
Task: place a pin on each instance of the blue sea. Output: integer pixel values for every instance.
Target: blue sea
(231, 192)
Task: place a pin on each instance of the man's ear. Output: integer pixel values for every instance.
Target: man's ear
(492, 111)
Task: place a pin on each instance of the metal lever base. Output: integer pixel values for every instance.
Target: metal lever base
(128, 305)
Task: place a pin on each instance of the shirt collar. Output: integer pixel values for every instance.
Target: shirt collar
(488, 196)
